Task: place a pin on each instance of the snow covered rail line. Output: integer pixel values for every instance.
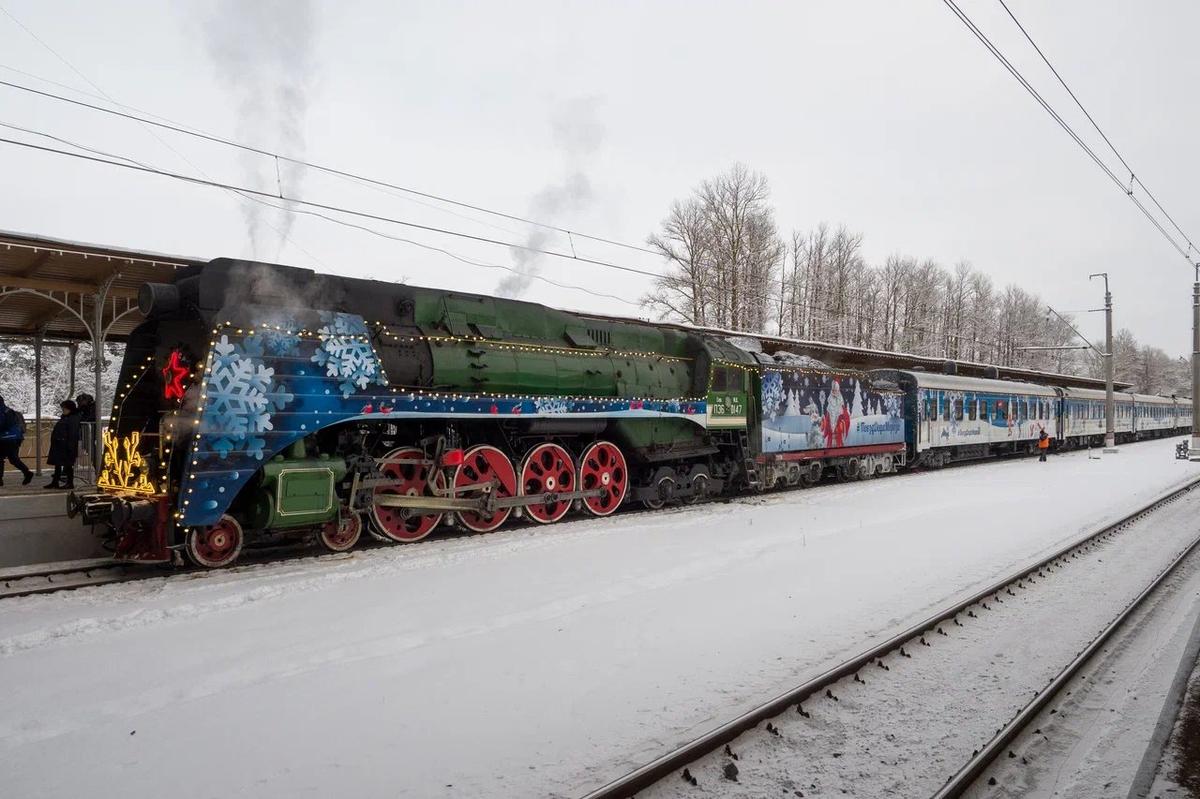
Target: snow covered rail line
(673, 764)
(45, 578)
(960, 782)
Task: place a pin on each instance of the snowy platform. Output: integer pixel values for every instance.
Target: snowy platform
(530, 662)
(34, 527)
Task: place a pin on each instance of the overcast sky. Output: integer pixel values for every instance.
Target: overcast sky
(887, 116)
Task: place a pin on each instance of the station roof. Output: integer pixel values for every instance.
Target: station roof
(48, 269)
(847, 356)
(73, 272)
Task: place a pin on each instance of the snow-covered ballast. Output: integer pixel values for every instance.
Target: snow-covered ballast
(951, 417)
(816, 419)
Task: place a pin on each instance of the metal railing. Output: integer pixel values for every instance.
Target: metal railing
(33, 452)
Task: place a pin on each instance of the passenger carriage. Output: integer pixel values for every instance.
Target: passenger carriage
(1154, 416)
(1183, 414)
(1083, 420)
(951, 418)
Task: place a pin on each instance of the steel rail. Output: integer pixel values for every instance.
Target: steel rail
(665, 765)
(958, 783)
(54, 580)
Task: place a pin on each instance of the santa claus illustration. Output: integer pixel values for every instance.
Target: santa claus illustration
(836, 423)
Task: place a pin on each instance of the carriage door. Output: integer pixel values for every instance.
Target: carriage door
(928, 411)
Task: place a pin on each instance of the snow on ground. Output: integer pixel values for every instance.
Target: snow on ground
(906, 728)
(528, 662)
(1178, 772)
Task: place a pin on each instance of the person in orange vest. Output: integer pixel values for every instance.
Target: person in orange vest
(1043, 446)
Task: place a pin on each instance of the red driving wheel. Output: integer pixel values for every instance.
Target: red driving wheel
(485, 464)
(547, 468)
(217, 546)
(603, 466)
(414, 477)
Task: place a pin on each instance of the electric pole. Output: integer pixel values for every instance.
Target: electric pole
(1194, 451)
(1110, 437)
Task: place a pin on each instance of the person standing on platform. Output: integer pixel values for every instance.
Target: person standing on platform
(87, 423)
(64, 446)
(12, 433)
(1043, 446)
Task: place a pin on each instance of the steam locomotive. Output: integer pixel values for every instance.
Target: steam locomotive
(260, 404)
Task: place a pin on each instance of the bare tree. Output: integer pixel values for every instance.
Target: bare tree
(724, 251)
(728, 267)
(685, 241)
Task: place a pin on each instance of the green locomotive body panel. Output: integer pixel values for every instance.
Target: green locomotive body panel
(485, 344)
(295, 490)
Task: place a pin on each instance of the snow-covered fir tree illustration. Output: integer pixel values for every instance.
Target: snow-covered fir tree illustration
(793, 403)
(346, 353)
(240, 395)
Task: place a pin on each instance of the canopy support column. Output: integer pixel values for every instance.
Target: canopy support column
(73, 352)
(37, 403)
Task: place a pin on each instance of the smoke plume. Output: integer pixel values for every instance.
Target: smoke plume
(263, 53)
(578, 134)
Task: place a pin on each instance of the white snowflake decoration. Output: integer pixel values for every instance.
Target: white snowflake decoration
(347, 355)
(772, 393)
(551, 405)
(240, 399)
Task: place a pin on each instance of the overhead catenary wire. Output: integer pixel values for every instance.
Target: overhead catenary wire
(313, 204)
(195, 132)
(343, 222)
(171, 125)
(1133, 177)
(1012, 70)
(132, 164)
(189, 128)
(148, 126)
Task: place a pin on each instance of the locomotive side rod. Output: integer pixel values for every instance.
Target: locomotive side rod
(480, 503)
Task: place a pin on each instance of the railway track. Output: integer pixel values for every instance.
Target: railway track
(673, 764)
(46, 578)
(962, 781)
(50, 577)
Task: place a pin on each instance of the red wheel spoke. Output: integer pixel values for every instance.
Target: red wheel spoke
(547, 468)
(342, 533)
(603, 467)
(217, 546)
(485, 464)
(411, 479)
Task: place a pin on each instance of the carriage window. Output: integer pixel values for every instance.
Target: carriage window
(1001, 411)
(958, 409)
(945, 406)
(972, 407)
(720, 379)
(983, 410)
(928, 405)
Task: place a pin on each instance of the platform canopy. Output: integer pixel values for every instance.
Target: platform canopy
(55, 292)
(51, 287)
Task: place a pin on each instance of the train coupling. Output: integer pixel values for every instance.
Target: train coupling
(110, 509)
